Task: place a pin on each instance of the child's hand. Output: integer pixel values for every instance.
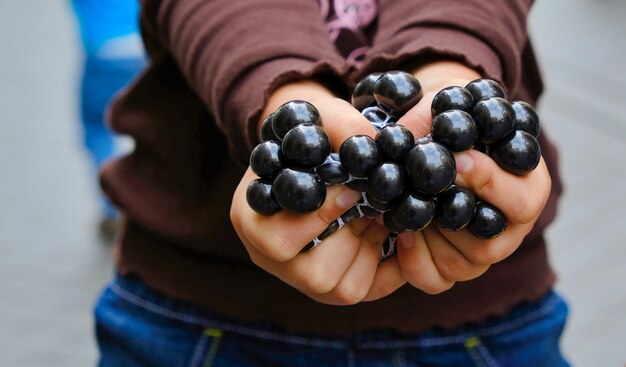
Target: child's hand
(343, 268)
(432, 260)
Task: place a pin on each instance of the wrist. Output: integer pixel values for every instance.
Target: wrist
(437, 75)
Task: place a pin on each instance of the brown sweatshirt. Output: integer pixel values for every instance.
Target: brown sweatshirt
(193, 116)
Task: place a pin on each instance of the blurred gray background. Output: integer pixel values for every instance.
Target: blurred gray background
(53, 264)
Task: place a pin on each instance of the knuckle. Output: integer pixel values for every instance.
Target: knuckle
(484, 180)
(328, 212)
(487, 255)
(412, 274)
(350, 294)
(319, 280)
(385, 287)
(276, 247)
(454, 268)
(438, 288)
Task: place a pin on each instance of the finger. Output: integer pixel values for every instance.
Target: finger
(520, 198)
(387, 280)
(450, 261)
(486, 252)
(417, 264)
(282, 235)
(358, 278)
(419, 118)
(318, 271)
(342, 121)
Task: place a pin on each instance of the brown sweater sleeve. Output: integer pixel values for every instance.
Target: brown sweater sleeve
(235, 53)
(488, 36)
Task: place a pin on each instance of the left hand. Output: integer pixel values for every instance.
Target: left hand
(433, 259)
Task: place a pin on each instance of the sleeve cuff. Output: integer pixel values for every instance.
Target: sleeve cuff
(248, 96)
(422, 43)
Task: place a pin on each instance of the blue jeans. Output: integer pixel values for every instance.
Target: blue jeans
(137, 327)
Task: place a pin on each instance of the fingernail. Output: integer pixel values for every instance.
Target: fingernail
(464, 163)
(348, 198)
(406, 240)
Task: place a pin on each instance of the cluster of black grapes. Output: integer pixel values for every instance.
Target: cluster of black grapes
(410, 181)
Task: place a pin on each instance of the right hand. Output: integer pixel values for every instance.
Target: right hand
(344, 268)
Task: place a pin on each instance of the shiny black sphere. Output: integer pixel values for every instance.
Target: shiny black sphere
(299, 191)
(485, 88)
(454, 208)
(488, 221)
(267, 159)
(363, 95)
(455, 129)
(359, 155)
(526, 118)
(358, 184)
(452, 98)
(411, 212)
(430, 167)
(333, 172)
(495, 119)
(390, 223)
(267, 133)
(378, 205)
(306, 145)
(291, 114)
(394, 141)
(397, 92)
(519, 152)
(386, 183)
(259, 197)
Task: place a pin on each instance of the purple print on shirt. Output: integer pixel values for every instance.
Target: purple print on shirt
(346, 21)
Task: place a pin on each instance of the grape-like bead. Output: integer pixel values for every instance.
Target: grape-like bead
(397, 92)
(488, 221)
(485, 88)
(386, 183)
(526, 118)
(454, 208)
(267, 133)
(306, 145)
(455, 129)
(518, 153)
(266, 159)
(299, 191)
(260, 199)
(452, 98)
(412, 212)
(359, 155)
(363, 95)
(291, 114)
(494, 117)
(333, 172)
(394, 141)
(430, 167)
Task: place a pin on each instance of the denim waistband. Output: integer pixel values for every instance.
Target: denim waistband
(133, 291)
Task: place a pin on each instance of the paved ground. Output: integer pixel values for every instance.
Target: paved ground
(53, 264)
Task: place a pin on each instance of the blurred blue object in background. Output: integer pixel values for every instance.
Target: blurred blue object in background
(114, 55)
